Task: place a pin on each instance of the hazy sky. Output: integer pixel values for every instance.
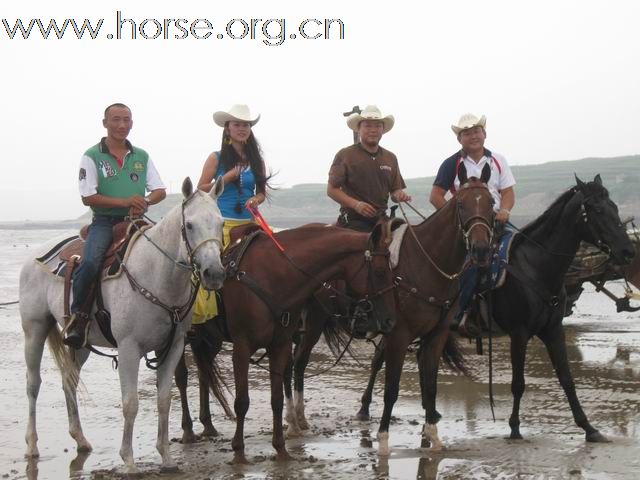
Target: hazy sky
(557, 80)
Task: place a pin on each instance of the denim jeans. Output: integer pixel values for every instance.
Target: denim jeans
(96, 246)
(468, 281)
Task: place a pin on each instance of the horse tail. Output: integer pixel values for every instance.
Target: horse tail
(337, 338)
(204, 354)
(454, 357)
(63, 358)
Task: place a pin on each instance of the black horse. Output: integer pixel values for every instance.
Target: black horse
(532, 300)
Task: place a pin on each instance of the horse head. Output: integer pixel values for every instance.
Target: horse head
(202, 232)
(474, 205)
(600, 223)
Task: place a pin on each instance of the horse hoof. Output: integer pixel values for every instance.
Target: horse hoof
(169, 469)
(239, 459)
(283, 457)
(294, 432)
(597, 437)
(187, 438)
(514, 436)
(32, 454)
(210, 432)
(363, 416)
(303, 424)
(86, 448)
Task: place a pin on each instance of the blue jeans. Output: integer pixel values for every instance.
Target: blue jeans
(468, 281)
(96, 246)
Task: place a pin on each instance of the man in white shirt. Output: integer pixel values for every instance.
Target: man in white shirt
(471, 135)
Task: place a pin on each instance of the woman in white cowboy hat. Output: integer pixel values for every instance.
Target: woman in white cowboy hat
(239, 162)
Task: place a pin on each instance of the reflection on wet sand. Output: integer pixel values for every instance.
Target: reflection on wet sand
(604, 351)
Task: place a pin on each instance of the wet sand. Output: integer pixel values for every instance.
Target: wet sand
(604, 349)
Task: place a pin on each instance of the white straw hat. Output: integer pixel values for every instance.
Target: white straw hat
(469, 120)
(370, 112)
(239, 113)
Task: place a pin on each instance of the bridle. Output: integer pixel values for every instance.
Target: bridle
(462, 226)
(475, 220)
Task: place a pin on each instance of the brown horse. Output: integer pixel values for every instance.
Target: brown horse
(264, 298)
(431, 256)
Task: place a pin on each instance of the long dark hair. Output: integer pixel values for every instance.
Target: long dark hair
(230, 158)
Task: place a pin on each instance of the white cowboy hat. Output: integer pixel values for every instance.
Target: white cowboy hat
(239, 113)
(370, 112)
(469, 120)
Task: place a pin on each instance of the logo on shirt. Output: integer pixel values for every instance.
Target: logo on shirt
(138, 166)
(107, 170)
(82, 175)
(385, 167)
(134, 177)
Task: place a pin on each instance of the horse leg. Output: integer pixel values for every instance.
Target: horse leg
(376, 364)
(314, 324)
(70, 387)
(128, 371)
(241, 355)
(290, 416)
(164, 377)
(181, 376)
(211, 343)
(394, 354)
(35, 334)
(556, 346)
(518, 354)
(278, 358)
(429, 355)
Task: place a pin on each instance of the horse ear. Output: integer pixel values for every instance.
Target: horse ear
(376, 234)
(486, 173)
(187, 187)
(462, 174)
(217, 188)
(579, 182)
(598, 180)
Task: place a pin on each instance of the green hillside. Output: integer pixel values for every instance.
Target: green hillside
(537, 186)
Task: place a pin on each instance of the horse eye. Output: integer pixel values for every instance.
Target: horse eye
(189, 226)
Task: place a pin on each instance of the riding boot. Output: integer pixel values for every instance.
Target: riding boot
(77, 330)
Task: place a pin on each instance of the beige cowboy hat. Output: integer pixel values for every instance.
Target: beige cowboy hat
(469, 120)
(370, 112)
(238, 113)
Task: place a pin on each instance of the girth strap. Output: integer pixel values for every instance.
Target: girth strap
(266, 298)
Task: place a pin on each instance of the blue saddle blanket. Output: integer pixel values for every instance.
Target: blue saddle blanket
(497, 271)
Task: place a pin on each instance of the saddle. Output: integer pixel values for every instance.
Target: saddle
(71, 256)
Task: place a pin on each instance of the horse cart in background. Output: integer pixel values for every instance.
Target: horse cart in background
(592, 265)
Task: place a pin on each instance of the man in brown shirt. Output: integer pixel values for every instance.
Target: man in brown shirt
(364, 175)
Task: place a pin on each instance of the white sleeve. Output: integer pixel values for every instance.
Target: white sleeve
(154, 181)
(506, 177)
(87, 177)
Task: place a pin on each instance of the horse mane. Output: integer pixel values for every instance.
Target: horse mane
(545, 224)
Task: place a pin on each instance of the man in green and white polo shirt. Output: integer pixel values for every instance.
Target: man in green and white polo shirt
(114, 177)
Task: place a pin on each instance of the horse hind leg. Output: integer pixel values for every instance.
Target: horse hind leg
(278, 358)
(556, 346)
(71, 379)
(35, 334)
(291, 417)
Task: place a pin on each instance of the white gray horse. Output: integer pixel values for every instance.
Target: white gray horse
(162, 262)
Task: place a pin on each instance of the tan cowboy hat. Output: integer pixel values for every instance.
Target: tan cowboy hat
(238, 113)
(469, 120)
(370, 112)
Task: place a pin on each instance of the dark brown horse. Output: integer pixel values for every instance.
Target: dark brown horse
(429, 264)
(264, 298)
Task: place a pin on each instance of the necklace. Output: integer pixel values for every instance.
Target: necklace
(373, 155)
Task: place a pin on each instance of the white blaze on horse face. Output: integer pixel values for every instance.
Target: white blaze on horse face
(478, 200)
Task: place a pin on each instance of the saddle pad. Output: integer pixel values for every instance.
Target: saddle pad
(497, 270)
(51, 260)
(394, 248)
